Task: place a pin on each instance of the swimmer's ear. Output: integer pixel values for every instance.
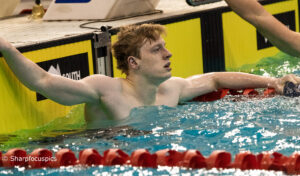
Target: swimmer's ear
(132, 63)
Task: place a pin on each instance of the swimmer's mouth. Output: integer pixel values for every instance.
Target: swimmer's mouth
(167, 66)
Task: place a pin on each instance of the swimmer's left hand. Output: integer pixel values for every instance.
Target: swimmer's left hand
(280, 82)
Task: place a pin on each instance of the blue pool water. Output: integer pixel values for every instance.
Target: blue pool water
(257, 125)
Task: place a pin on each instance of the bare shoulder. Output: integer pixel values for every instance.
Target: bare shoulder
(174, 83)
(98, 77)
(103, 83)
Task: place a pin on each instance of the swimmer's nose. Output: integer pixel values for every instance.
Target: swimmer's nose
(168, 54)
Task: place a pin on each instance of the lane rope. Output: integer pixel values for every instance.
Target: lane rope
(193, 159)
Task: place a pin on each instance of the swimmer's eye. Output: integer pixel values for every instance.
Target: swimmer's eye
(156, 49)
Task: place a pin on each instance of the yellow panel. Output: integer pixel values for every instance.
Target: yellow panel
(116, 71)
(184, 42)
(19, 108)
(240, 37)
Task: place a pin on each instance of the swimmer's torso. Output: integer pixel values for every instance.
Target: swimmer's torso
(118, 103)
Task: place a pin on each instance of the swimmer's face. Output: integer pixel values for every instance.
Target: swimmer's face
(155, 60)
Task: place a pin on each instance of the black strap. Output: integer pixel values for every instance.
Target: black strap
(291, 90)
(199, 2)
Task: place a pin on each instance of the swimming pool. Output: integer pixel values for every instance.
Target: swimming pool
(257, 125)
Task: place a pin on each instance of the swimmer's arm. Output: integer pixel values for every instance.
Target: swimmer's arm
(280, 36)
(71, 92)
(202, 84)
(62, 90)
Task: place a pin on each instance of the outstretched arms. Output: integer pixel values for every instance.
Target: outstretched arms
(286, 40)
(62, 90)
(202, 84)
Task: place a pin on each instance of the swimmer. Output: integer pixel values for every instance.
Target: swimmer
(279, 35)
(142, 55)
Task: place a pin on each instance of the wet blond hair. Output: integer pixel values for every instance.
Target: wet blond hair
(130, 40)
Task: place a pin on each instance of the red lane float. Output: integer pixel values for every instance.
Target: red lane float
(41, 158)
(292, 165)
(221, 93)
(193, 159)
(269, 92)
(272, 161)
(143, 158)
(245, 161)
(1, 164)
(168, 157)
(218, 159)
(250, 92)
(212, 96)
(90, 157)
(14, 157)
(64, 157)
(115, 157)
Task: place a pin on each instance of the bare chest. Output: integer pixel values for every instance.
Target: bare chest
(118, 106)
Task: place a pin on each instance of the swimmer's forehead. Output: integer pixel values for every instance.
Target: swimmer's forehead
(154, 43)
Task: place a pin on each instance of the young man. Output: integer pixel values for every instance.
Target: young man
(142, 56)
(280, 36)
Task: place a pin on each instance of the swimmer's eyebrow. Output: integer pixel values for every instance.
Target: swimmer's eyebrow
(163, 44)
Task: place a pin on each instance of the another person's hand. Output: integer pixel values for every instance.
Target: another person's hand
(4, 45)
(279, 85)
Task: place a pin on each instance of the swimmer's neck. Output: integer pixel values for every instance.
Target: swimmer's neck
(143, 89)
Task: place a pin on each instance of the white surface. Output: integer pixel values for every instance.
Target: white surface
(98, 9)
(22, 31)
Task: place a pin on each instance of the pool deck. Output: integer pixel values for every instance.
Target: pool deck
(22, 31)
